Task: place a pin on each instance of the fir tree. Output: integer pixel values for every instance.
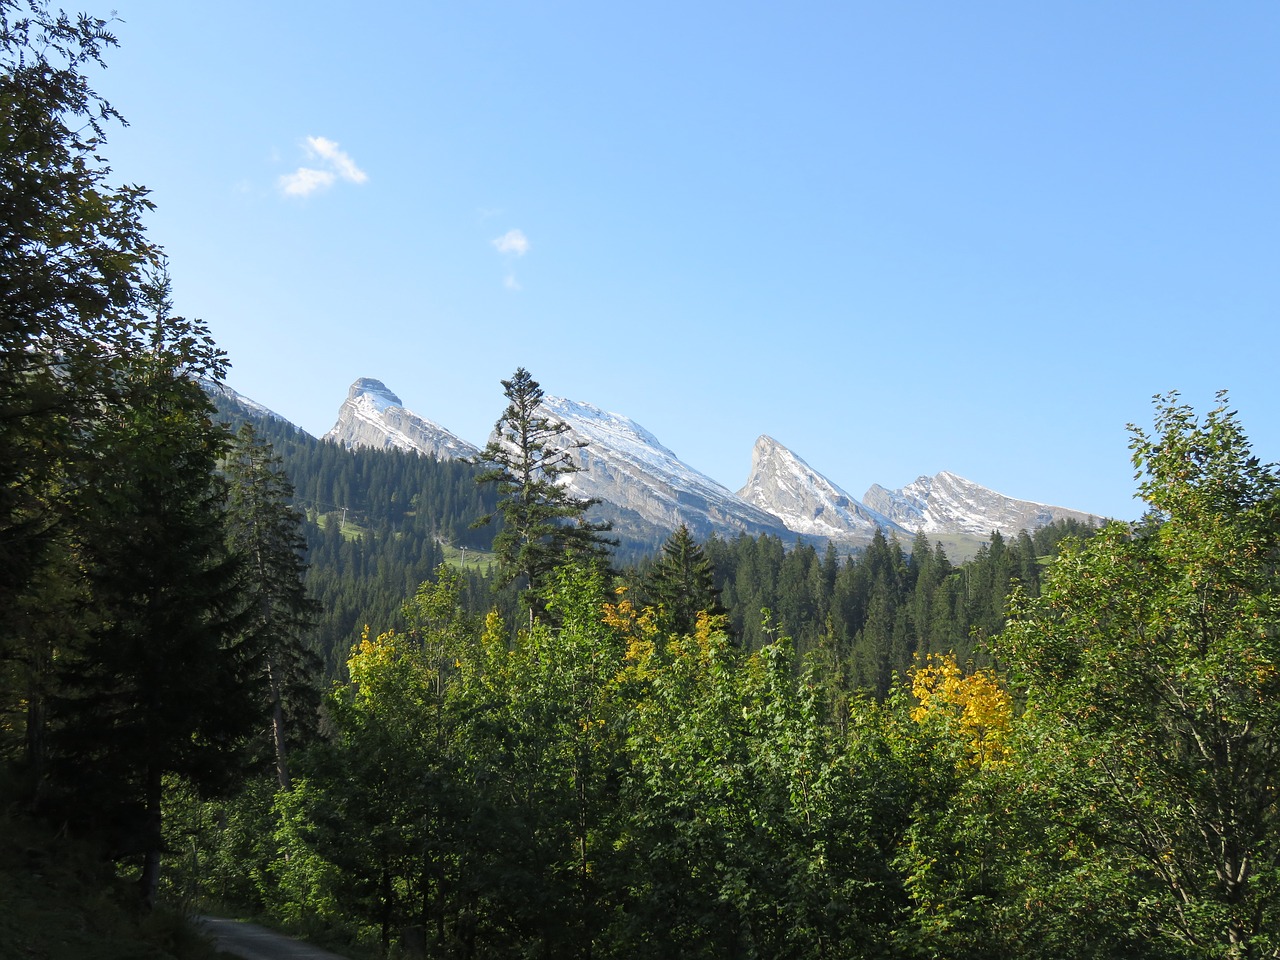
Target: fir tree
(265, 533)
(543, 523)
(682, 584)
(159, 682)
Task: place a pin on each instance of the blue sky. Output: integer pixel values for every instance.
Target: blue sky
(899, 238)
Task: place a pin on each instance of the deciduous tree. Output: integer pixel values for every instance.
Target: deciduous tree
(1152, 662)
(72, 259)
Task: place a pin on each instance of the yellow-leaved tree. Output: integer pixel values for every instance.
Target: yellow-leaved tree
(975, 708)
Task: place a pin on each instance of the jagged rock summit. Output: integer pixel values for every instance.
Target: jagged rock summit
(782, 484)
(626, 467)
(946, 503)
(373, 416)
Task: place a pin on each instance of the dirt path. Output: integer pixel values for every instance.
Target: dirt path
(252, 942)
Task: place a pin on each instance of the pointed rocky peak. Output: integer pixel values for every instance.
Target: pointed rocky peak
(806, 501)
(950, 504)
(374, 393)
(373, 416)
(641, 481)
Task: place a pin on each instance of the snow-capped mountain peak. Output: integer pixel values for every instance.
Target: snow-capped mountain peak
(948, 503)
(806, 501)
(373, 416)
(626, 467)
(373, 395)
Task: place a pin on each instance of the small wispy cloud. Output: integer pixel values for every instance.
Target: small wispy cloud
(511, 283)
(304, 181)
(341, 162)
(335, 164)
(513, 241)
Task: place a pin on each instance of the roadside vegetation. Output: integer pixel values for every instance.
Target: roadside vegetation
(1065, 748)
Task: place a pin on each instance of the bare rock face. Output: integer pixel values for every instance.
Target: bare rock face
(806, 501)
(626, 467)
(946, 503)
(373, 416)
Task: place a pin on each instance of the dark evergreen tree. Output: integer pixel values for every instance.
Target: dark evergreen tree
(682, 584)
(543, 523)
(160, 681)
(265, 534)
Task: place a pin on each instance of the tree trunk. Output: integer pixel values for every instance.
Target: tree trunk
(152, 842)
(277, 726)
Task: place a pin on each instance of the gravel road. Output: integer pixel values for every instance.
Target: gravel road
(252, 942)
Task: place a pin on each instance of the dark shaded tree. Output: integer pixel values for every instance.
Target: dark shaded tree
(161, 679)
(72, 257)
(265, 534)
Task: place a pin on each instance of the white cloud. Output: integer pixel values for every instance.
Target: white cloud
(307, 180)
(304, 181)
(513, 241)
(340, 162)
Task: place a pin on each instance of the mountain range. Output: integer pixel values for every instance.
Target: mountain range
(647, 491)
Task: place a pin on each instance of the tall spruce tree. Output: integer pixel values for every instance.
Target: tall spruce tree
(682, 584)
(543, 523)
(266, 535)
(159, 681)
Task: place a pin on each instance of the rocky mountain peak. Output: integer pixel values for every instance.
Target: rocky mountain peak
(642, 483)
(948, 503)
(782, 484)
(373, 416)
(375, 391)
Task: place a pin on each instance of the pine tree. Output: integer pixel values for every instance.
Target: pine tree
(543, 523)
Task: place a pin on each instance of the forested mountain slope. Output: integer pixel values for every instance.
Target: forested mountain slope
(377, 524)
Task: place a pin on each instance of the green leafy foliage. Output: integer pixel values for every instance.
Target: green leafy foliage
(1152, 665)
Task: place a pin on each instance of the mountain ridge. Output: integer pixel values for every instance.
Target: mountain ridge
(648, 491)
(373, 416)
(947, 503)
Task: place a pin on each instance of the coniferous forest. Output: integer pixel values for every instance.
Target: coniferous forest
(246, 672)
